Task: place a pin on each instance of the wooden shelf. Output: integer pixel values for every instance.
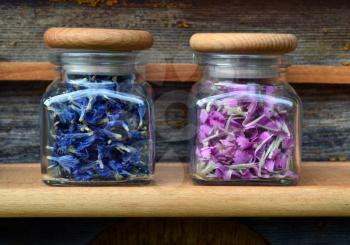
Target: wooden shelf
(297, 74)
(323, 191)
(26, 71)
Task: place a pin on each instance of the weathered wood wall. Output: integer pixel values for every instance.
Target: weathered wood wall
(326, 121)
(324, 38)
(322, 26)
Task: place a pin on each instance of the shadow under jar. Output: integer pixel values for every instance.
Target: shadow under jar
(247, 117)
(97, 122)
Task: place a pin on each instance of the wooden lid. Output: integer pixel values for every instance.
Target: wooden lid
(100, 39)
(248, 43)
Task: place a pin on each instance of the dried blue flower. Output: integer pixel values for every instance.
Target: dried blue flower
(67, 162)
(98, 133)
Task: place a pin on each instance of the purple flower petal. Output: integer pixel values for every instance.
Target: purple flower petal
(204, 131)
(248, 123)
(203, 116)
(228, 141)
(219, 173)
(251, 133)
(291, 174)
(281, 161)
(248, 175)
(268, 111)
(246, 130)
(206, 153)
(227, 174)
(243, 143)
(216, 119)
(252, 109)
(275, 153)
(269, 165)
(264, 136)
(219, 170)
(234, 123)
(260, 153)
(242, 156)
(230, 102)
(273, 125)
(270, 89)
(288, 143)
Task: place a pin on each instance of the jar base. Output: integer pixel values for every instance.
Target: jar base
(238, 182)
(65, 182)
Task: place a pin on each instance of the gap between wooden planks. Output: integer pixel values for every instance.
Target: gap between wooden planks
(309, 74)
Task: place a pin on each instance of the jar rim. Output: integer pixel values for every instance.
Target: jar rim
(92, 61)
(253, 66)
(93, 57)
(228, 59)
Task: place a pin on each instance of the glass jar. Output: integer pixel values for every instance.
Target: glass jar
(247, 121)
(97, 119)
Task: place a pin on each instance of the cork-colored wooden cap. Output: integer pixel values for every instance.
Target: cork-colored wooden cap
(100, 39)
(249, 43)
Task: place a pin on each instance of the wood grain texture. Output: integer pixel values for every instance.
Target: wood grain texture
(323, 191)
(185, 231)
(98, 38)
(167, 72)
(248, 43)
(326, 131)
(320, 26)
(27, 71)
(172, 72)
(318, 74)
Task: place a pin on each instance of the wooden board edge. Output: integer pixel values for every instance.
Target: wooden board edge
(296, 74)
(318, 74)
(26, 71)
(304, 201)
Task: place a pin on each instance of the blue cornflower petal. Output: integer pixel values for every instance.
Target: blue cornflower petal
(105, 172)
(98, 136)
(136, 135)
(142, 110)
(67, 115)
(85, 143)
(67, 162)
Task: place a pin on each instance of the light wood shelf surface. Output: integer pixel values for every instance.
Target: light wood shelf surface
(296, 74)
(323, 191)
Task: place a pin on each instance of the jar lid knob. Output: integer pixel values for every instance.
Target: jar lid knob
(244, 43)
(99, 39)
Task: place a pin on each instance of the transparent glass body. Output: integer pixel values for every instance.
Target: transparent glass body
(247, 122)
(97, 122)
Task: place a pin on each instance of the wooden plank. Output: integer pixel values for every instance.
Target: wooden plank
(319, 74)
(172, 72)
(323, 191)
(161, 72)
(26, 71)
(301, 74)
(321, 26)
(185, 231)
(326, 128)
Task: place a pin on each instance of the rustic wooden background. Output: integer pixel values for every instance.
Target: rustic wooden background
(321, 26)
(326, 127)
(324, 38)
